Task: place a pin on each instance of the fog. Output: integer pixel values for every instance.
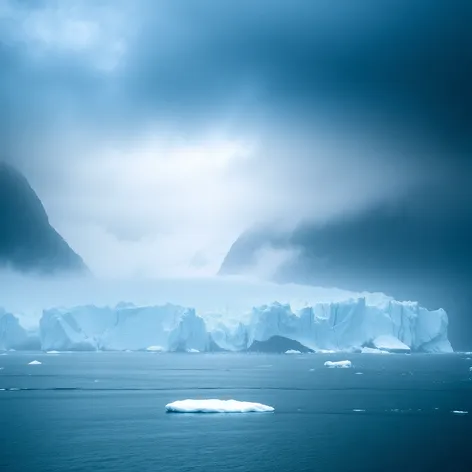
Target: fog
(230, 297)
(155, 133)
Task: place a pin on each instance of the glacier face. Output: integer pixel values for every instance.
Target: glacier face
(12, 335)
(341, 326)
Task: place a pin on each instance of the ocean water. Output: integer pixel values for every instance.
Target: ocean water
(105, 412)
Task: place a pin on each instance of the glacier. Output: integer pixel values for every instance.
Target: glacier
(353, 325)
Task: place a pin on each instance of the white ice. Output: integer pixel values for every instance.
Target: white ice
(292, 351)
(153, 349)
(459, 412)
(52, 352)
(216, 406)
(193, 351)
(371, 350)
(338, 364)
(324, 327)
(388, 342)
(34, 363)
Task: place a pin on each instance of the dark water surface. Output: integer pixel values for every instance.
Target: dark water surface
(105, 412)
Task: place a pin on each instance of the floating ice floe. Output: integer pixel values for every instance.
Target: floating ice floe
(459, 412)
(357, 410)
(216, 406)
(292, 351)
(193, 351)
(34, 363)
(338, 364)
(52, 352)
(359, 373)
(154, 349)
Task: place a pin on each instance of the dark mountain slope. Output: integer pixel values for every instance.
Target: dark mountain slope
(28, 243)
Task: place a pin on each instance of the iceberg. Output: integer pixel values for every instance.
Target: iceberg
(338, 364)
(292, 351)
(34, 363)
(216, 406)
(12, 335)
(348, 326)
(388, 343)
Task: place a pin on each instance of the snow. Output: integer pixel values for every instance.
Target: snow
(370, 350)
(292, 351)
(216, 406)
(34, 363)
(389, 343)
(338, 364)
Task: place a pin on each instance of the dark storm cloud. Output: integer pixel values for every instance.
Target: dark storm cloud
(385, 84)
(402, 62)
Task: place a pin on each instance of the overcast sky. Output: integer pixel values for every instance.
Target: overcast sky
(155, 132)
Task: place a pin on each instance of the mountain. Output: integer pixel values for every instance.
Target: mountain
(418, 250)
(28, 243)
(277, 345)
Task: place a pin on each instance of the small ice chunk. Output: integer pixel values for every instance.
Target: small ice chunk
(216, 406)
(292, 351)
(470, 369)
(34, 363)
(52, 352)
(193, 351)
(338, 364)
(155, 349)
(459, 412)
(359, 373)
(325, 351)
(357, 410)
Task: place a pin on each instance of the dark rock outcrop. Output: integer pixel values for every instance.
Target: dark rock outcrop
(28, 243)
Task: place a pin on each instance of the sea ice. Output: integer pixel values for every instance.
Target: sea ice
(292, 351)
(52, 352)
(216, 406)
(338, 364)
(459, 412)
(153, 349)
(34, 363)
(193, 351)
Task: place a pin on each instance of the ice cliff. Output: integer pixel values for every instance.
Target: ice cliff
(350, 325)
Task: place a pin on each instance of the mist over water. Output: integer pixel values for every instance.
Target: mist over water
(231, 297)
